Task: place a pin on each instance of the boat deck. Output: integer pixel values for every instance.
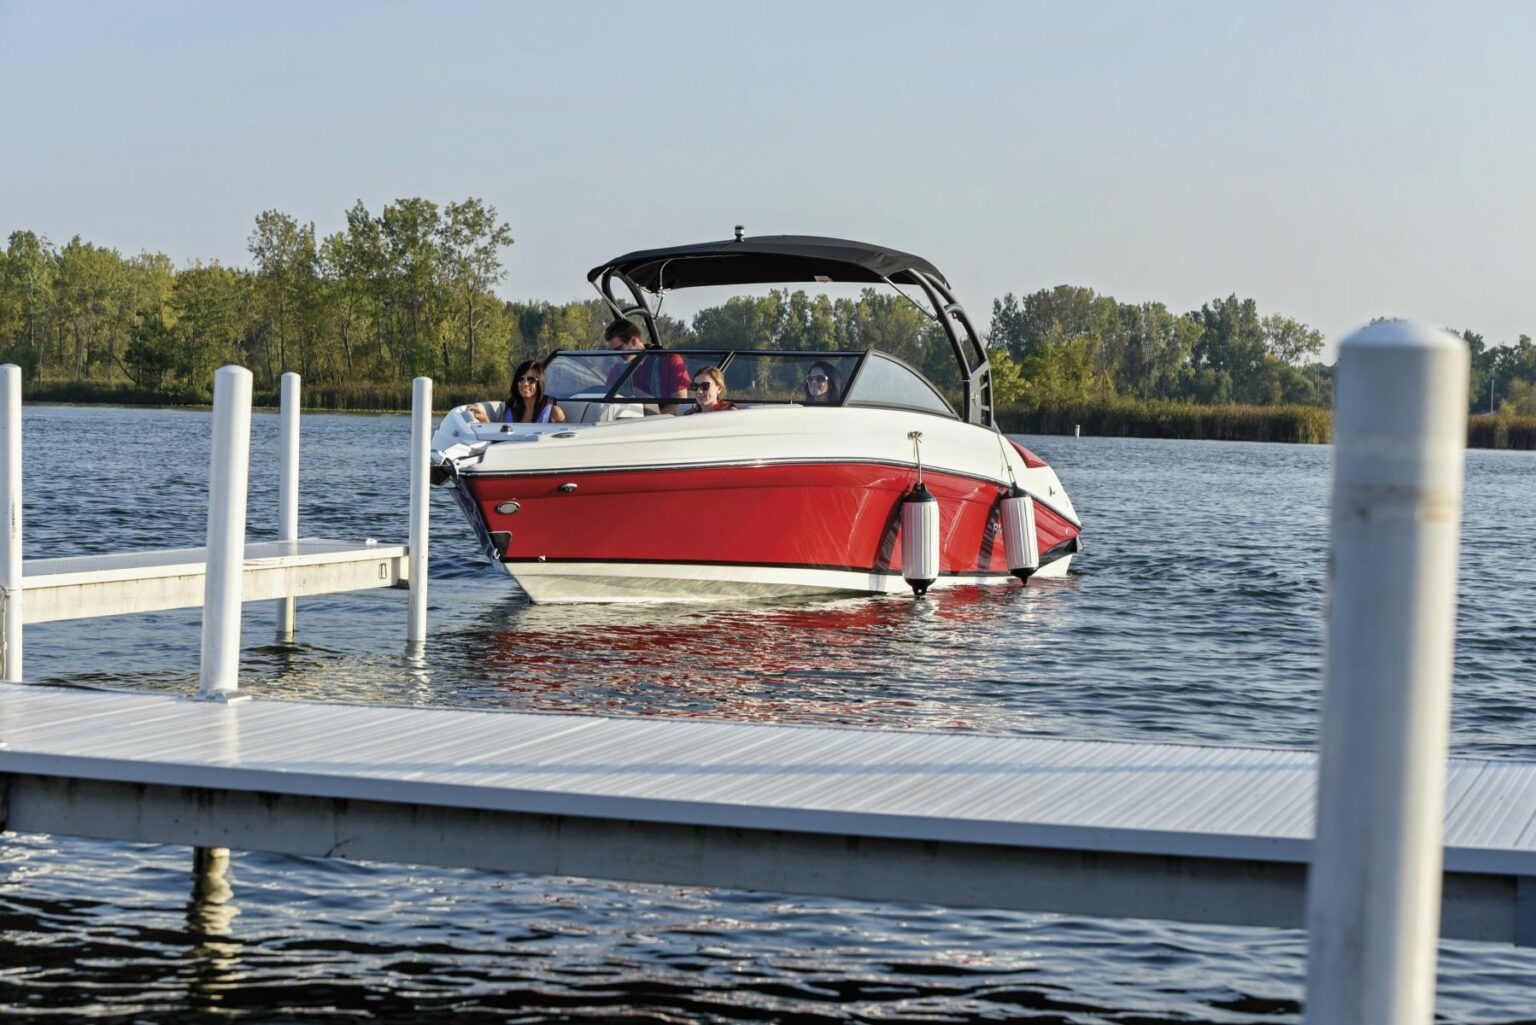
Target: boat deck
(1176, 831)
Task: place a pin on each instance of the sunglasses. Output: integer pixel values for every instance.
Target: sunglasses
(815, 378)
(527, 380)
(703, 385)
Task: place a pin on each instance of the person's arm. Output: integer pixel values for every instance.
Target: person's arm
(678, 380)
(557, 415)
(681, 379)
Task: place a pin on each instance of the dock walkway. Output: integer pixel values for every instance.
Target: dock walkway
(1170, 831)
(80, 587)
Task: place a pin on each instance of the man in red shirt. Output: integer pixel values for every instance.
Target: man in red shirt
(659, 376)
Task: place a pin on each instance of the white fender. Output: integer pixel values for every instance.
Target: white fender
(1020, 544)
(919, 539)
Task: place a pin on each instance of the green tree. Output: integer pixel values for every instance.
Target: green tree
(1061, 369)
(542, 327)
(26, 298)
(674, 333)
(1519, 398)
(410, 230)
(1009, 328)
(1290, 340)
(352, 268)
(1229, 357)
(1158, 345)
(741, 322)
(1523, 358)
(1071, 311)
(284, 251)
(889, 323)
(471, 239)
(212, 306)
(808, 322)
(1008, 385)
(1480, 380)
(151, 351)
(149, 279)
(1495, 369)
(92, 293)
(940, 367)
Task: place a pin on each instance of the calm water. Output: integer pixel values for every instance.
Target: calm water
(1195, 613)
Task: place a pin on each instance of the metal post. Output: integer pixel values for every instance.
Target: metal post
(228, 477)
(210, 889)
(1373, 895)
(288, 486)
(10, 502)
(421, 441)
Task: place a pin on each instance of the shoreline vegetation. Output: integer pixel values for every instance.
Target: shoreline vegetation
(410, 291)
(1290, 424)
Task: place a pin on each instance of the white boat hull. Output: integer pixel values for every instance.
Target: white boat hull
(641, 583)
(761, 503)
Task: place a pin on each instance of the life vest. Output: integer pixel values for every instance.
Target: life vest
(545, 412)
(727, 404)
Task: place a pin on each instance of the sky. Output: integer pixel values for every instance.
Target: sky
(1332, 162)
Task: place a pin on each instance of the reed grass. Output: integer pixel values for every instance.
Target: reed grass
(1295, 424)
(360, 398)
(1129, 419)
(383, 398)
(116, 393)
(1516, 432)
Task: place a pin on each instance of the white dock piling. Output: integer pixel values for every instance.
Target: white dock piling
(421, 442)
(288, 486)
(229, 476)
(1373, 900)
(10, 502)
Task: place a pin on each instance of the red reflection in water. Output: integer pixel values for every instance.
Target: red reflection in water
(861, 661)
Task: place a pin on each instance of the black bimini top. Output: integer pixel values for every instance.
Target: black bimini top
(768, 259)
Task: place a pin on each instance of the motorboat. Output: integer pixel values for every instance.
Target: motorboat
(879, 481)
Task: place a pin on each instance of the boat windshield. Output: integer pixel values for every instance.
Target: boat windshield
(657, 376)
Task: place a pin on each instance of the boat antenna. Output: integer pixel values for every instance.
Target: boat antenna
(916, 438)
(741, 232)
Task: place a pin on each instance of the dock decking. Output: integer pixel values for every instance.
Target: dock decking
(152, 581)
(1171, 831)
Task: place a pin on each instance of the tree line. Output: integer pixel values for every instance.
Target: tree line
(404, 292)
(411, 290)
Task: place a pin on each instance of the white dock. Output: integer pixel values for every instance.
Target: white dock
(1169, 831)
(85, 586)
(227, 572)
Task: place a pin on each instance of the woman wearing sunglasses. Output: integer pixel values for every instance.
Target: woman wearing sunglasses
(821, 384)
(709, 392)
(527, 404)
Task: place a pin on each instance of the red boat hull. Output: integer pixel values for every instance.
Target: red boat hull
(810, 515)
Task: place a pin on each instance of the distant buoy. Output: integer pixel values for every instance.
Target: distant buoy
(1019, 545)
(919, 538)
(1077, 430)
